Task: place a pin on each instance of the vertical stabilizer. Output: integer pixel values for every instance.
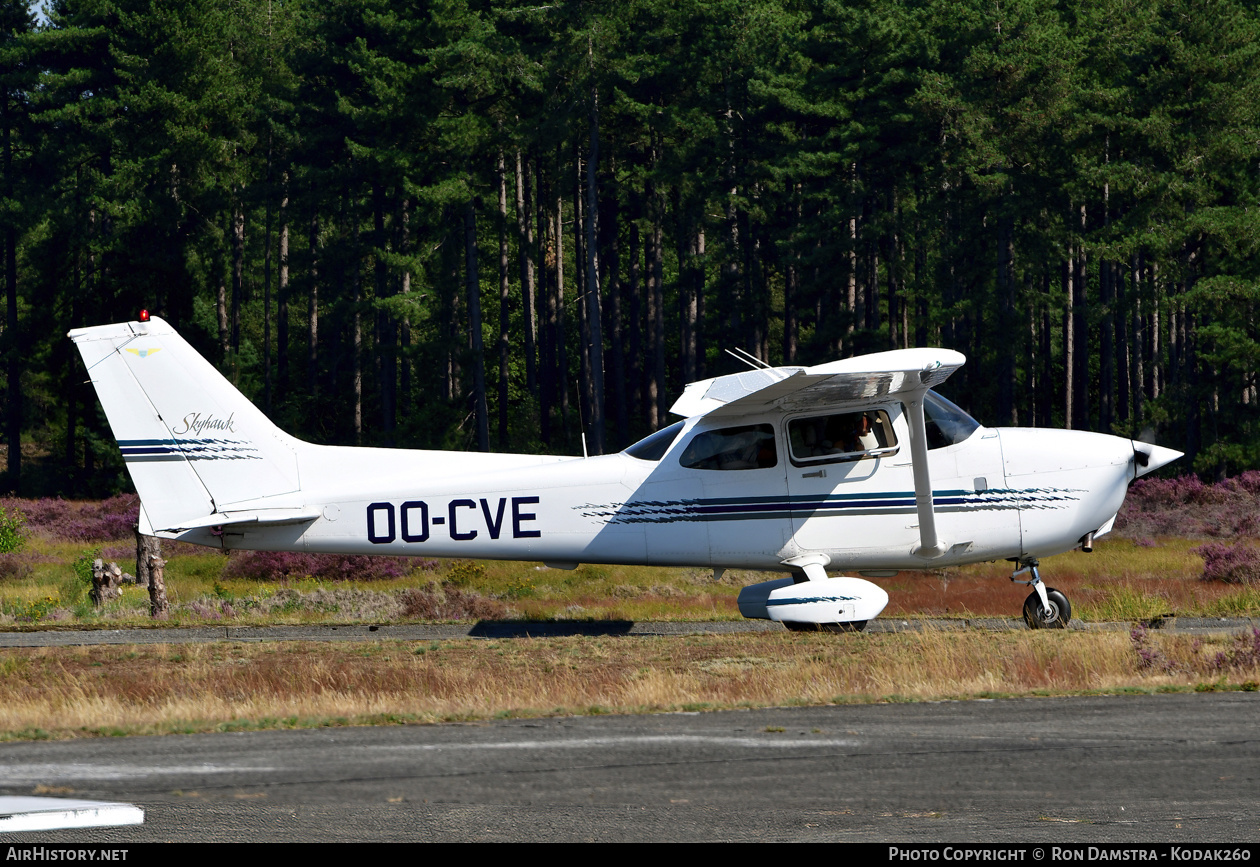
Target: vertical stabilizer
(193, 444)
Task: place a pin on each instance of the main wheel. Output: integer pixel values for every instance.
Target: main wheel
(1058, 615)
(848, 626)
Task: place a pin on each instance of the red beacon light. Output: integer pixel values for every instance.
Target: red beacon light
(144, 315)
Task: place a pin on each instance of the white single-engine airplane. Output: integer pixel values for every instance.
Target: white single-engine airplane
(854, 465)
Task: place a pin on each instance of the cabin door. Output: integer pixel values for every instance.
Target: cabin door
(850, 483)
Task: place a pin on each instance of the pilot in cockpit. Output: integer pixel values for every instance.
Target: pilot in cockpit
(861, 436)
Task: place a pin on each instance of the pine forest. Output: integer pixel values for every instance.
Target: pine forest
(482, 224)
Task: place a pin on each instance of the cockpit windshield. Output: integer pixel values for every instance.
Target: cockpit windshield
(947, 423)
(654, 446)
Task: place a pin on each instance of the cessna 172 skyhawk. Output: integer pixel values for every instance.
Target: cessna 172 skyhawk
(856, 466)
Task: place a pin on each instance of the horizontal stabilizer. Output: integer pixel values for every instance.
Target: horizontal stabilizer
(268, 517)
(796, 388)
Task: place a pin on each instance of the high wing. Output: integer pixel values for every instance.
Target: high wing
(906, 372)
(790, 389)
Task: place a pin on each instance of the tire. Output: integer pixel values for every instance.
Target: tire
(849, 626)
(1058, 617)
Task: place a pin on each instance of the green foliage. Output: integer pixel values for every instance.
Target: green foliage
(520, 588)
(465, 573)
(30, 610)
(82, 566)
(12, 530)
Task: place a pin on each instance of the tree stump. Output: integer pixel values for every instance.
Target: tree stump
(106, 582)
(159, 608)
(146, 547)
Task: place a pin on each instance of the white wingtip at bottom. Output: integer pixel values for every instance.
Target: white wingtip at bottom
(48, 814)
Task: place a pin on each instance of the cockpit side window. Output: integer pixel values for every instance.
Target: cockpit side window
(947, 424)
(654, 446)
(844, 436)
(750, 447)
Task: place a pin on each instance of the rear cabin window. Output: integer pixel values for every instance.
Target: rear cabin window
(750, 447)
(845, 436)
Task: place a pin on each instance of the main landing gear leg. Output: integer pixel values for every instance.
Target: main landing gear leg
(1045, 607)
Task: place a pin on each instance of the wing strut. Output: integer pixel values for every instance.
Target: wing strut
(931, 546)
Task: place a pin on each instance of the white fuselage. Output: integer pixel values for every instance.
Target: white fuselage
(1000, 493)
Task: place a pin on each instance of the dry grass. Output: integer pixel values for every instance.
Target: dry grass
(58, 692)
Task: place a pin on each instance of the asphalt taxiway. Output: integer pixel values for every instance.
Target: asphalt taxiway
(1164, 768)
(1170, 768)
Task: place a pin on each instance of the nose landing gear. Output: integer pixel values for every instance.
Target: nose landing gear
(1045, 607)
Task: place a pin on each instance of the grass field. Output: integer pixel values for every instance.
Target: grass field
(68, 692)
(1151, 565)
(116, 690)
(1119, 581)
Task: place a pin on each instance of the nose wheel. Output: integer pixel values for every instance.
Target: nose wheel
(1056, 613)
(1045, 607)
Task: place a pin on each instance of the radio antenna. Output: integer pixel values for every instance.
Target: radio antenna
(747, 358)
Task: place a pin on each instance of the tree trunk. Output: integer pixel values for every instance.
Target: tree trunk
(616, 330)
(221, 301)
(386, 354)
(594, 307)
(312, 308)
(525, 244)
(699, 276)
(1080, 336)
(1006, 318)
(267, 291)
(403, 405)
(562, 360)
(579, 283)
(159, 608)
(282, 293)
(791, 279)
(547, 376)
(505, 301)
(13, 397)
(1106, 347)
(147, 547)
(238, 269)
(635, 374)
(12, 348)
(474, 326)
(1069, 344)
(357, 282)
